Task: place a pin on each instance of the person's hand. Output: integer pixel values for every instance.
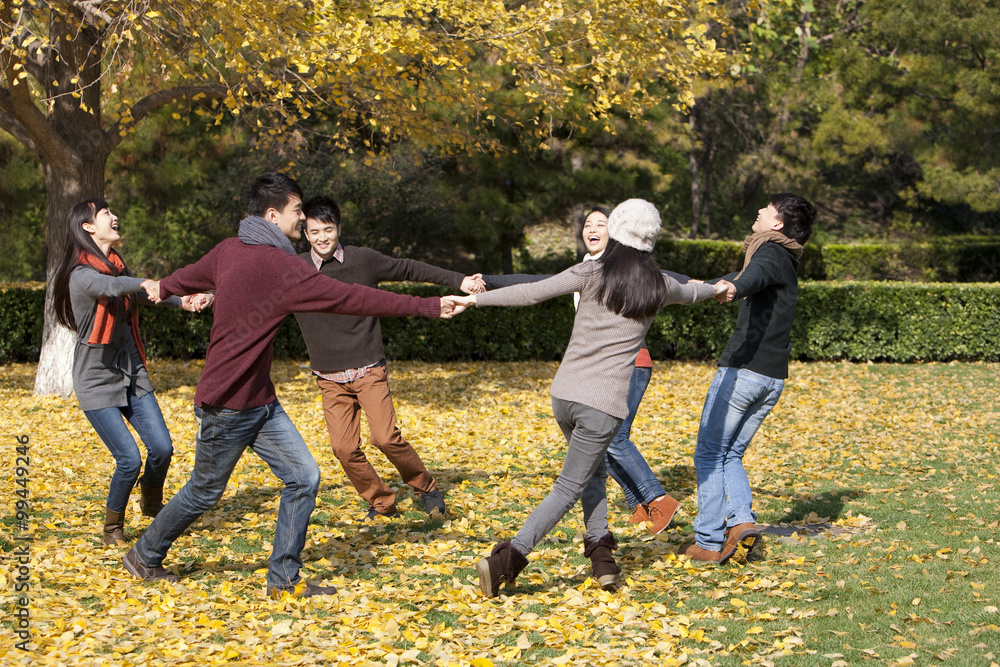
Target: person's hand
(202, 301)
(453, 305)
(725, 291)
(152, 289)
(474, 284)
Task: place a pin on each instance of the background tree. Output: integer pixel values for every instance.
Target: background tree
(79, 75)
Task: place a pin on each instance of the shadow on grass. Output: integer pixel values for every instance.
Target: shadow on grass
(826, 504)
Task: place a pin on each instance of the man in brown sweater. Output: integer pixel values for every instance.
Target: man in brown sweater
(348, 359)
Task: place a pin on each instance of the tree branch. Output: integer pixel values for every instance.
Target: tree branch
(9, 124)
(154, 101)
(92, 10)
(32, 124)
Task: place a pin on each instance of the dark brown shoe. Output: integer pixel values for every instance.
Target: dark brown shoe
(114, 529)
(602, 562)
(144, 572)
(741, 535)
(502, 565)
(150, 500)
(696, 553)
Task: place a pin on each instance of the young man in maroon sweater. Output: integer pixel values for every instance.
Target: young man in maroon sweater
(348, 359)
(258, 280)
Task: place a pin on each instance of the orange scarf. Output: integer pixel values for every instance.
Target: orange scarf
(110, 308)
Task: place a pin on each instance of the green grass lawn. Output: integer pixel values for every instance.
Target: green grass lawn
(878, 485)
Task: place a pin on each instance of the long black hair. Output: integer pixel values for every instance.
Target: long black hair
(78, 241)
(631, 284)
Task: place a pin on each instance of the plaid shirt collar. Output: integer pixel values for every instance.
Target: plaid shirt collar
(338, 255)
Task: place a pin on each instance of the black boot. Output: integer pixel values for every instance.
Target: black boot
(502, 565)
(150, 500)
(605, 568)
(114, 529)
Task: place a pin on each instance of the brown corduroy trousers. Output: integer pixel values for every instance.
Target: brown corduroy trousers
(342, 405)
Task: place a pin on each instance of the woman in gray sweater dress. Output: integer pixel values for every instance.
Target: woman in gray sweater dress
(619, 296)
(96, 295)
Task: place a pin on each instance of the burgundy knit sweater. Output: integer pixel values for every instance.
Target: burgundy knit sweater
(256, 286)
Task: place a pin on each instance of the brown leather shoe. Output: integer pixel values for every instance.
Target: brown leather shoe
(502, 565)
(144, 572)
(114, 529)
(696, 553)
(661, 511)
(639, 515)
(150, 500)
(741, 535)
(602, 561)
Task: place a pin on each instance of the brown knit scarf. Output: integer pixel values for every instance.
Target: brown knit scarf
(754, 241)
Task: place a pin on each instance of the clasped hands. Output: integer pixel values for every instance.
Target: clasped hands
(453, 305)
(725, 291)
(194, 303)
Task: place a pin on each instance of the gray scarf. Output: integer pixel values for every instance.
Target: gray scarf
(255, 230)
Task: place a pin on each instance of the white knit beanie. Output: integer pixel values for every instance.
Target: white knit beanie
(635, 223)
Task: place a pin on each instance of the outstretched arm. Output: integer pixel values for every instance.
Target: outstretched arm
(499, 281)
(571, 280)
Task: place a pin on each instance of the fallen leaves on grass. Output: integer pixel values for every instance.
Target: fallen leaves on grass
(842, 442)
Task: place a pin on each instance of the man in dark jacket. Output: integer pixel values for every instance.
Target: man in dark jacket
(751, 375)
(348, 359)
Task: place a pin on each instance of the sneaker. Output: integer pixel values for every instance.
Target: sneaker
(639, 515)
(661, 511)
(303, 589)
(433, 501)
(374, 513)
(140, 571)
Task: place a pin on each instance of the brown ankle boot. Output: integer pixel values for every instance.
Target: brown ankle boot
(605, 568)
(503, 564)
(150, 500)
(114, 529)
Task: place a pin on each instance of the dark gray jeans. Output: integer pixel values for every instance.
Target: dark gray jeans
(583, 475)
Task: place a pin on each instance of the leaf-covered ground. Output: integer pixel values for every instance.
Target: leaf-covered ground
(880, 483)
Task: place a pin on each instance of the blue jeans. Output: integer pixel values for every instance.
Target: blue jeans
(625, 463)
(583, 475)
(145, 417)
(737, 403)
(223, 435)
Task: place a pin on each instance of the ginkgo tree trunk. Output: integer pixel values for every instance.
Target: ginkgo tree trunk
(76, 76)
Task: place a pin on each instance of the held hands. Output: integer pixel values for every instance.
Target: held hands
(152, 289)
(196, 303)
(725, 291)
(453, 305)
(474, 284)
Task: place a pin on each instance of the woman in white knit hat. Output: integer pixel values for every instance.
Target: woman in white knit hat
(646, 498)
(619, 296)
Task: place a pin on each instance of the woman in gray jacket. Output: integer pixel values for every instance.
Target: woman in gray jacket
(96, 295)
(619, 295)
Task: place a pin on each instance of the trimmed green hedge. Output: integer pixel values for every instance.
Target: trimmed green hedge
(956, 259)
(897, 322)
(21, 313)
